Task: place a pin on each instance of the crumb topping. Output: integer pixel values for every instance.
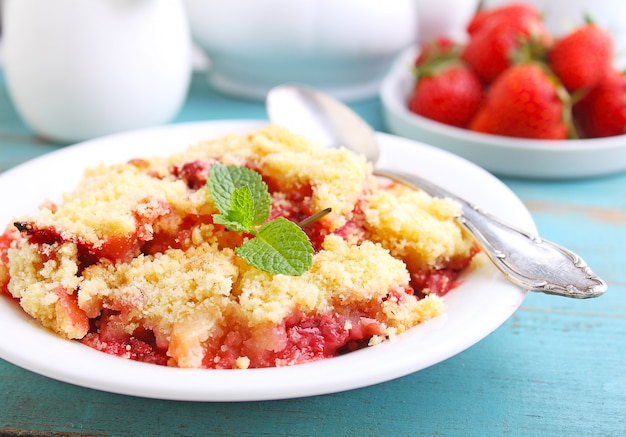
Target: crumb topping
(132, 264)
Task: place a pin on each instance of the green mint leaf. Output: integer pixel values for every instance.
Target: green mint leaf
(224, 180)
(280, 246)
(242, 207)
(240, 214)
(231, 222)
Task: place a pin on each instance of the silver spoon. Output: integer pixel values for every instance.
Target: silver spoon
(527, 260)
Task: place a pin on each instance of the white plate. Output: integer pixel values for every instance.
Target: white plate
(505, 156)
(474, 309)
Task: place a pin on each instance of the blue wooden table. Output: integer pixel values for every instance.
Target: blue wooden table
(556, 367)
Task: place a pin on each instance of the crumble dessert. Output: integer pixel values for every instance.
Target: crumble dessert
(131, 263)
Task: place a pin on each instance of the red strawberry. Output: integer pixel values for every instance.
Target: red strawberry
(449, 93)
(512, 11)
(583, 57)
(523, 102)
(492, 48)
(602, 113)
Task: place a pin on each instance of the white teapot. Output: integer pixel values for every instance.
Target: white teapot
(77, 69)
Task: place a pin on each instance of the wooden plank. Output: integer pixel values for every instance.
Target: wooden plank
(557, 367)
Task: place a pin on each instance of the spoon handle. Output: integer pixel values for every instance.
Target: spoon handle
(527, 260)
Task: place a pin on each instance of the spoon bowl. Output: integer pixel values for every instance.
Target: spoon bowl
(525, 259)
(321, 118)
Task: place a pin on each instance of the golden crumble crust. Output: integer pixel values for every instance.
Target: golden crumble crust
(132, 256)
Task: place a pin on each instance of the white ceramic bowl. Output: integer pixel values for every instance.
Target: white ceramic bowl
(343, 47)
(504, 156)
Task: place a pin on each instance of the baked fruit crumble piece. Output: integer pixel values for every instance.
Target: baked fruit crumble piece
(133, 264)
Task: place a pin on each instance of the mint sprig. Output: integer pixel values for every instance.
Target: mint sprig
(224, 180)
(244, 205)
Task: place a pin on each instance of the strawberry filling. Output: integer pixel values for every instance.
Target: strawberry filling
(297, 339)
(115, 249)
(107, 335)
(69, 313)
(194, 173)
(6, 239)
(440, 282)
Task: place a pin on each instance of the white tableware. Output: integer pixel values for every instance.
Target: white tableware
(483, 301)
(447, 18)
(79, 69)
(504, 156)
(344, 47)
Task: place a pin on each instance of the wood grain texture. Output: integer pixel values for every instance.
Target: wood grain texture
(557, 367)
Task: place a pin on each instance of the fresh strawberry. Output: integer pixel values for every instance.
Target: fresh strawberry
(602, 113)
(524, 102)
(437, 50)
(449, 93)
(582, 57)
(509, 12)
(493, 47)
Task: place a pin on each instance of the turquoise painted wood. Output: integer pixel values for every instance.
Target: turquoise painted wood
(556, 368)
